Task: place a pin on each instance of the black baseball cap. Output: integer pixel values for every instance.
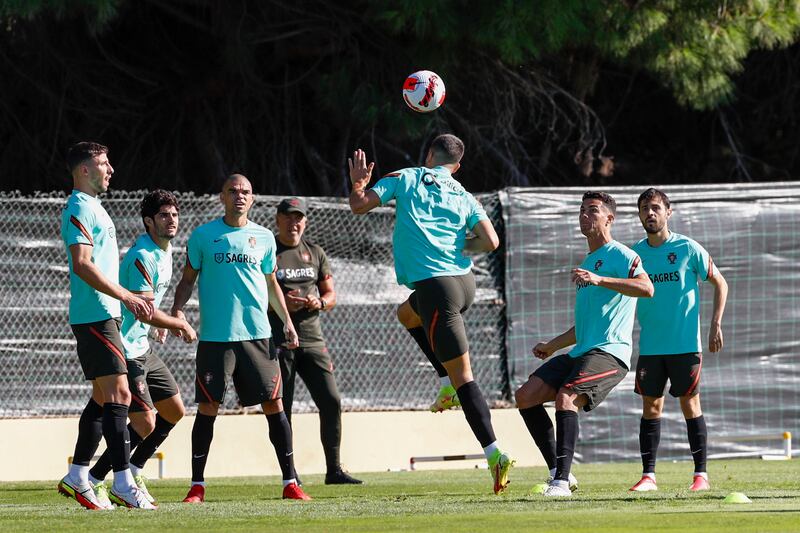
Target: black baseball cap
(293, 205)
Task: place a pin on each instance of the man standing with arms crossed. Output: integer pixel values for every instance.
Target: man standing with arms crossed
(305, 276)
(147, 271)
(607, 284)
(434, 213)
(670, 346)
(94, 314)
(234, 260)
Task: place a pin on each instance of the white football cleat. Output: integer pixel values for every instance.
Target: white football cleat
(132, 498)
(558, 489)
(573, 481)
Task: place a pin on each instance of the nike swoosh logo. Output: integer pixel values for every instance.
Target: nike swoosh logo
(695, 451)
(288, 454)
(198, 456)
(127, 442)
(217, 240)
(560, 456)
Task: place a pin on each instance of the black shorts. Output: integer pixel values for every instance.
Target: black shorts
(253, 365)
(150, 381)
(100, 348)
(682, 370)
(594, 374)
(440, 303)
(318, 356)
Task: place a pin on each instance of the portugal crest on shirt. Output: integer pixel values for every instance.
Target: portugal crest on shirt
(671, 257)
(305, 256)
(598, 264)
(252, 241)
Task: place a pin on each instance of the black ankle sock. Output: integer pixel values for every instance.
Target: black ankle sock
(476, 412)
(103, 465)
(280, 435)
(418, 333)
(149, 445)
(649, 437)
(567, 437)
(115, 431)
(698, 437)
(202, 435)
(541, 429)
(90, 431)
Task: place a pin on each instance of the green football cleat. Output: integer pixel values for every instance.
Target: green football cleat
(139, 479)
(446, 399)
(499, 465)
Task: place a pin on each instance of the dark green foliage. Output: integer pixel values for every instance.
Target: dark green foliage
(542, 91)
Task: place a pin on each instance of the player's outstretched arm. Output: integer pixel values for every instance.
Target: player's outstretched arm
(361, 200)
(485, 240)
(84, 268)
(543, 350)
(637, 287)
(715, 340)
(278, 304)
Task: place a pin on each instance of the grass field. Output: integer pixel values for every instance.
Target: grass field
(442, 501)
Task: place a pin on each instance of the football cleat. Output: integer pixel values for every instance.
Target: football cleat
(197, 494)
(139, 479)
(499, 465)
(558, 488)
(340, 477)
(699, 483)
(132, 498)
(84, 495)
(645, 484)
(293, 492)
(101, 493)
(446, 399)
(573, 481)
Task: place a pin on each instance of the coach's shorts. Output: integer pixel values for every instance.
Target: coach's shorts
(100, 348)
(440, 303)
(150, 381)
(253, 365)
(682, 370)
(594, 374)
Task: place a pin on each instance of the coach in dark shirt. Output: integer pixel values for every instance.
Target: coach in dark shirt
(305, 276)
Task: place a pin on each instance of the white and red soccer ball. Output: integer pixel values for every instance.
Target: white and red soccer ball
(424, 91)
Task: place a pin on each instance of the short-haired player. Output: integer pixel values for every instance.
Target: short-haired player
(607, 284)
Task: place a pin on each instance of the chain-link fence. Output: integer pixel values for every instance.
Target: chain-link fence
(378, 366)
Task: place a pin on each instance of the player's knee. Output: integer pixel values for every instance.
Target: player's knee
(208, 408)
(121, 395)
(407, 317)
(566, 400)
(332, 406)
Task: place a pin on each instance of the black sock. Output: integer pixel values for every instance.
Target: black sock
(418, 333)
(280, 434)
(541, 429)
(330, 429)
(202, 435)
(476, 412)
(90, 431)
(115, 431)
(649, 437)
(148, 447)
(103, 465)
(698, 435)
(567, 437)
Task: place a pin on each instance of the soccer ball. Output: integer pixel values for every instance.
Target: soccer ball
(423, 91)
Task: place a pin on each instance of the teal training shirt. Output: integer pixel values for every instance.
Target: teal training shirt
(670, 320)
(145, 268)
(603, 317)
(233, 290)
(84, 221)
(433, 214)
